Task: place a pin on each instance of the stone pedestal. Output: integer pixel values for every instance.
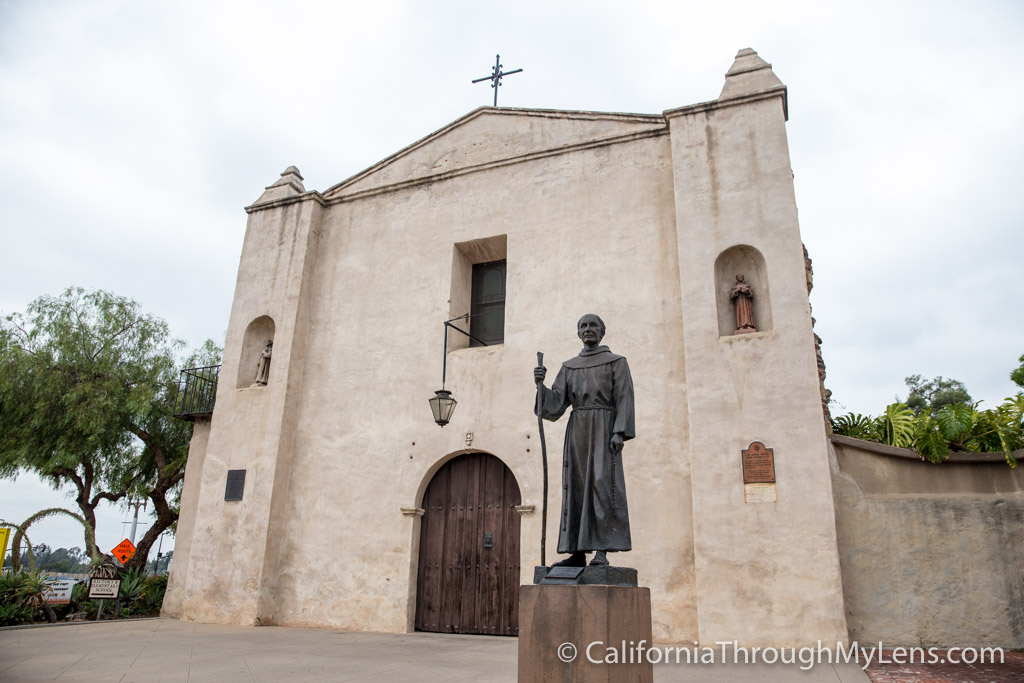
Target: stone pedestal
(605, 575)
(560, 622)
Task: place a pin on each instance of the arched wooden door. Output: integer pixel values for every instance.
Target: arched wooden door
(468, 577)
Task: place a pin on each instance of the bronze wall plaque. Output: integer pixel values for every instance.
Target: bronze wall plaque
(758, 464)
(235, 485)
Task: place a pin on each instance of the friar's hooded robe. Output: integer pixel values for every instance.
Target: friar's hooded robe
(597, 384)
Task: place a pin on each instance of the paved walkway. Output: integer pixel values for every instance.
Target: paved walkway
(155, 650)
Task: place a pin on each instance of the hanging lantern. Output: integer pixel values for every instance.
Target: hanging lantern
(442, 405)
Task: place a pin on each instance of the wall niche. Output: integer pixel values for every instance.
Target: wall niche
(251, 363)
(747, 261)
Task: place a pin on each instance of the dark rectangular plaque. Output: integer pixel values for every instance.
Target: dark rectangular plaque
(235, 485)
(758, 464)
(564, 572)
(557, 575)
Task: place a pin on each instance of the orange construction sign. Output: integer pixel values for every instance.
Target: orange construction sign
(124, 551)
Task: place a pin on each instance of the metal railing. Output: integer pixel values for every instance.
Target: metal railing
(197, 392)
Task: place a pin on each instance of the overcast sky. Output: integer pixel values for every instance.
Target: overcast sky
(132, 134)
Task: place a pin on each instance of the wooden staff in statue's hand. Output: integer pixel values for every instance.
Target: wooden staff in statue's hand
(538, 375)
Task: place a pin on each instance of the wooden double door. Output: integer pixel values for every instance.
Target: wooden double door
(468, 577)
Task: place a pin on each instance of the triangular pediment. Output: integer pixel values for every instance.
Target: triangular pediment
(495, 135)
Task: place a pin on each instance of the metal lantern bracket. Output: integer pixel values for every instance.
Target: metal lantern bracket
(448, 324)
(442, 405)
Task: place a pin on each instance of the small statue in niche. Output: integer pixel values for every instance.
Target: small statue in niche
(743, 296)
(263, 365)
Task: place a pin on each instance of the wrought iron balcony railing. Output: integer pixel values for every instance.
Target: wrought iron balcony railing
(197, 392)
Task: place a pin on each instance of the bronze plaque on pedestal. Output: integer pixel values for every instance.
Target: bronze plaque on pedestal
(758, 464)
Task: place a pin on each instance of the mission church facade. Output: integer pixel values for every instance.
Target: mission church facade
(351, 509)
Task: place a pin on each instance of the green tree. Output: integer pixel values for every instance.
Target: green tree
(87, 382)
(164, 451)
(1017, 375)
(930, 395)
(59, 561)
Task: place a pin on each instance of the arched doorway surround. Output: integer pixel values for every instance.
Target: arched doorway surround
(468, 573)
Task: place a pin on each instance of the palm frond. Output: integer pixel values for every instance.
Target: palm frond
(929, 440)
(896, 425)
(955, 421)
(854, 425)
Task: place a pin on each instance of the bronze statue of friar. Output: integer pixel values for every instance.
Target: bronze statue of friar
(596, 383)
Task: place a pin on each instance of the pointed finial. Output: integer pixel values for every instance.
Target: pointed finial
(288, 185)
(750, 75)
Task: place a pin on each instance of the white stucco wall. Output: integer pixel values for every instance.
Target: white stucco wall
(355, 462)
(767, 574)
(620, 215)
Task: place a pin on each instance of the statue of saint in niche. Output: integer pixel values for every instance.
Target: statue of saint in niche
(743, 296)
(263, 365)
(598, 386)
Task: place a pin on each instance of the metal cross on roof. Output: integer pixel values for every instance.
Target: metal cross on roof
(495, 77)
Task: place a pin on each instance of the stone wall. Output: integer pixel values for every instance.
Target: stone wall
(930, 554)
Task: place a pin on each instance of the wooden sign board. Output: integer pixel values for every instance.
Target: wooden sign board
(124, 551)
(758, 464)
(104, 589)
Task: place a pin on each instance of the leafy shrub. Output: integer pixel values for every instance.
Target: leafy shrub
(10, 584)
(153, 598)
(32, 592)
(12, 614)
(78, 595)
(952, 427)
(133, 585)
(90, 607)
(856, 426)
